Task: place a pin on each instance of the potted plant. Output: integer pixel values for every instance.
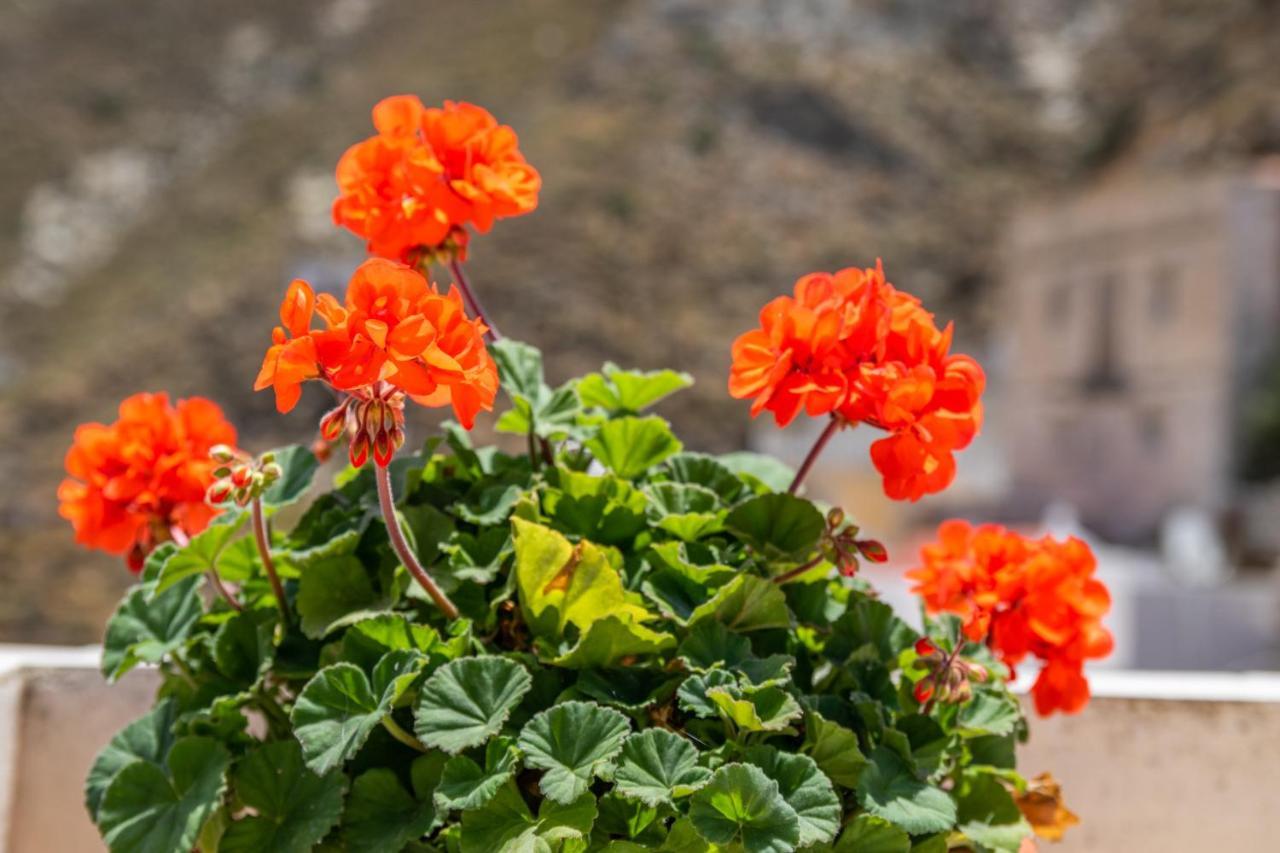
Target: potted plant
(604, 642)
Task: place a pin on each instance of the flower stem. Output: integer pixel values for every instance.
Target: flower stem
(814, 451)
(264, 552)
(798, 570)
(179, 537)
(393, 728)
(460, 278)
(387, 503)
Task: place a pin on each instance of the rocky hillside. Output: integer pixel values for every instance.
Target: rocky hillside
(166, 169)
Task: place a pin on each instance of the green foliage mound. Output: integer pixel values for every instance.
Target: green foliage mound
(626, 673)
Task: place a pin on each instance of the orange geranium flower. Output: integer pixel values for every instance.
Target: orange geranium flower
(142, 480)
(852, 346)
(411, 190)
(393, 336)
(1022, 597)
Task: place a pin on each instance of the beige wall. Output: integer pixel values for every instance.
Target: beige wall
(1192, 266)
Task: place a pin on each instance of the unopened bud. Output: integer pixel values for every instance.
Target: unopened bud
(835, 517)
(271, 472)
(222, 453)
(872, 550)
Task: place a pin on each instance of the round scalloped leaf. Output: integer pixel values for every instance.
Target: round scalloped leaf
(630, 446)
(741, 804)
(147, 738)
(148, 808)
(867, 833)
(655, 764)
(339, 706)
(693, 692)
(466, 785)
(781, 526)
(299, 465)
(887, 788)
(573, 742)
(293, 808)
(381, 815)
(466, 701)
(147, 626)
(806, 790)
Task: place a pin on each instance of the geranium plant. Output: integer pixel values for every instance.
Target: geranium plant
(605, 641)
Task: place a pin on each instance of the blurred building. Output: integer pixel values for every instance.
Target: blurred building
(1137, 312)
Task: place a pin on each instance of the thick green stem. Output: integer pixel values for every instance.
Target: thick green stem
(410, 560)
(393, 728)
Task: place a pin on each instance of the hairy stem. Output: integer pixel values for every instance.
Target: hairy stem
(264, 552)
(179, 537)
(401, 546)
(814, 451)
(460, 278)
(798, 570)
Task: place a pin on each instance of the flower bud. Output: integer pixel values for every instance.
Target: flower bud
(222, 453)
(873, 550)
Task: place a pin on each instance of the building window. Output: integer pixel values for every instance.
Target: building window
(1104, 369)
(1163, 300)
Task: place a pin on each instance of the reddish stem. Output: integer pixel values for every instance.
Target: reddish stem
(798, 570)
(823, 438)
(460, 278)
(385, 500)
(264, 552)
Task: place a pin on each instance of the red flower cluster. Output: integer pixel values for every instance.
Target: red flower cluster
(411, 190)
(851, 345)
(142, 479)
(394, 335)
(1022, 597)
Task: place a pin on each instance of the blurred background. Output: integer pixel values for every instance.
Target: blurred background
(1089, 188)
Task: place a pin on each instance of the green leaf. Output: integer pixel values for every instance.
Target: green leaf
(867, 833)
(339, 707)
(805, 788)
(612, 639)
(741, 804)
(367, 641)
(488, 505)
(988, 815)
(870, 630)
(699, 469)
(293, 808)
(466, 785)
(769, 709)
(202, 552)
(747, 603)
(780, 526)
(628, 391)
(506, 825)
(768, 471)
(685, 510)
(382, 816)
(148, 738)
(466, 701)
(145, 628)
(148, 808)
(607, 510)
(478, 557)
(629, 688)
(834, 748)
(333, 591)
(242, 647)
(711, 644)
(694, 692)
(656, 766)
(562, 584)
(299, 465)
(573, 742)
(888, 789)
(537, 408)
(630, 446)
(988, 713)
